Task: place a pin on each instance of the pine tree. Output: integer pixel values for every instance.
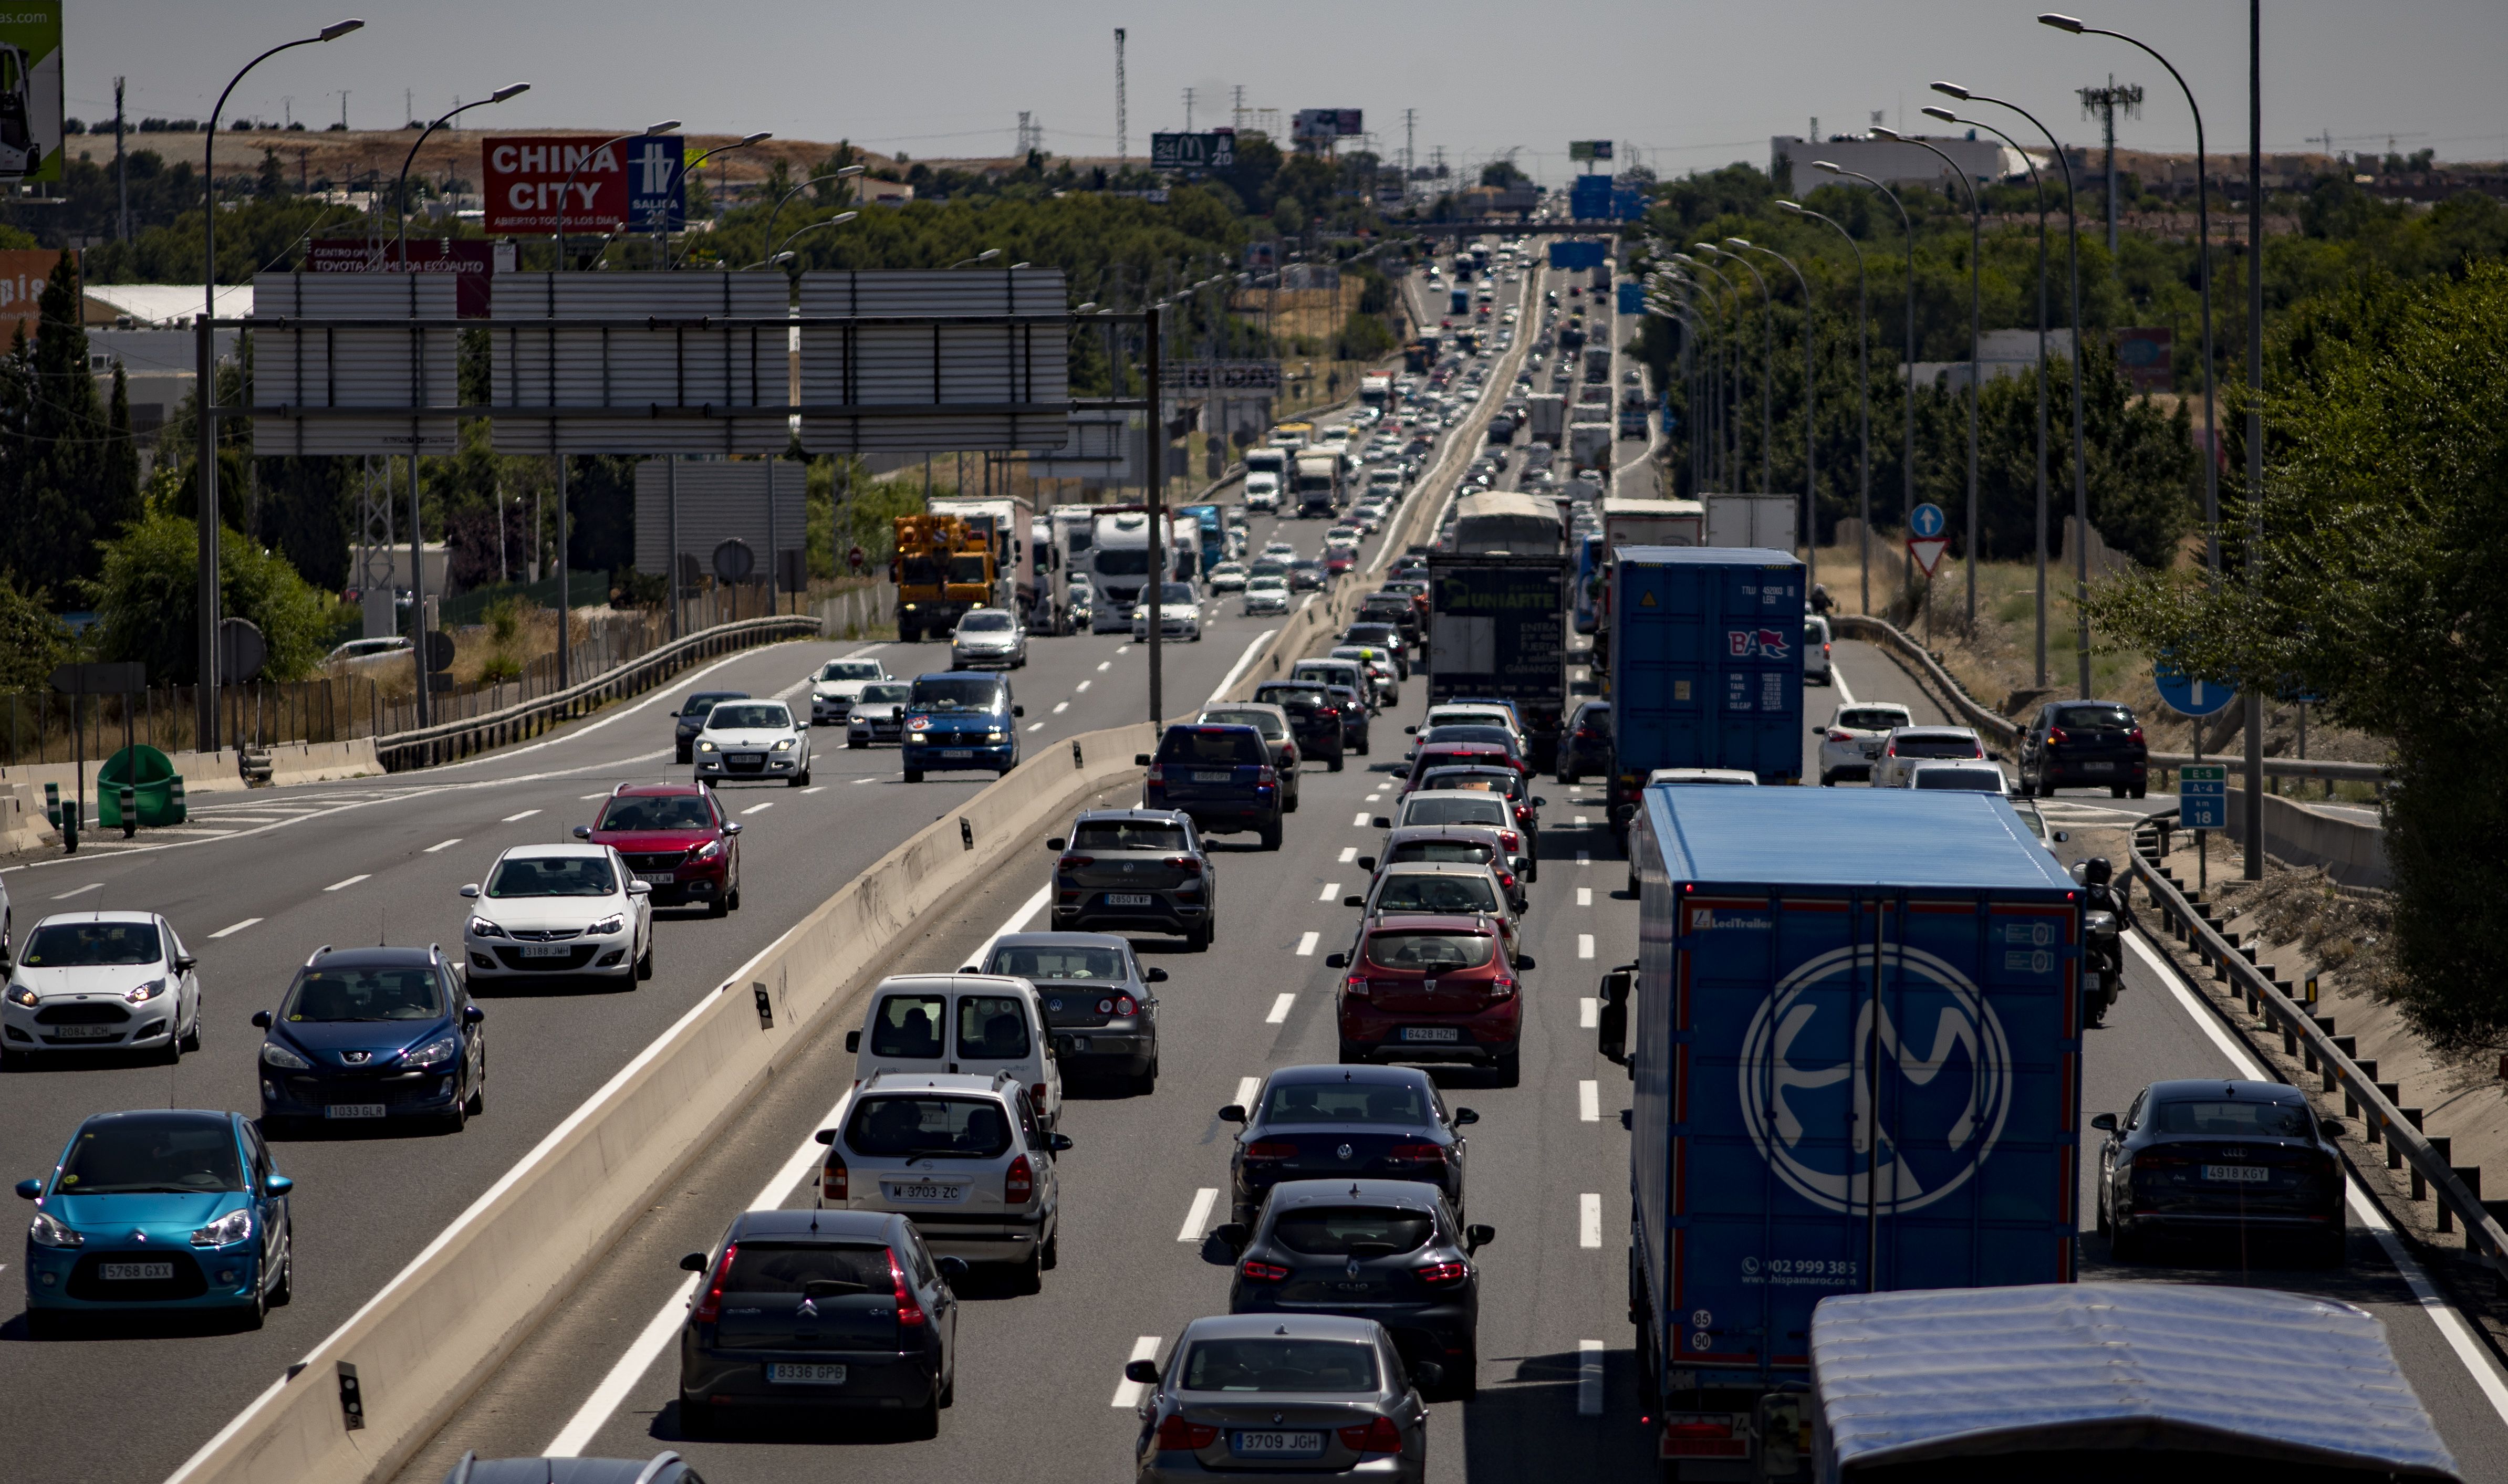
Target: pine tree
(64, 440)
(116, 502)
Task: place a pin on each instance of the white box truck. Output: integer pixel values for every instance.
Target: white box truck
(1589, 444)
(1753, 520)
(1548, 413)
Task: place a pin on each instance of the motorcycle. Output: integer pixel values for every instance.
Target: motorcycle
(2102, 966)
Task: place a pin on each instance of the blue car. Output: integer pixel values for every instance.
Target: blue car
(164, 1210)
(960, 720)
(1220, 775)
(370, 1036)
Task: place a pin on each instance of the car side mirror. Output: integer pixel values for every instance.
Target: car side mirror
(472, 1015)
(261, 1020)
(470, 891)
(951, 1267)
(1353, 900)
(853, 1042)
(640, 889)
(1816, 731)
(1367, 863)
(1140, 760)
(693, 1262)
(1464, 1116)
(277, 1185)
(1018, 711)
(1541, 803)
(1233, 1112)
(1429, 1375)
(1335, 961)
(2107, 1121)
(184, 963)
(1382, 822)
(1143, 1372)
(1058, 844)
(1154, 976)
(824, 1135)
(1524, 962)
(583, 832)
(1060, 1143)
(1410, 731)
(2333, 1126)
(1477, 1236)
(28, 1190)
(2060, 837)
(733, 826)
(1994, 757)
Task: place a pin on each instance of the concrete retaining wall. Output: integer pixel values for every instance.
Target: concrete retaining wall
(215, 771)
(2351, 852)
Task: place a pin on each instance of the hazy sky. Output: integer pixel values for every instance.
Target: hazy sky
(1684, 85)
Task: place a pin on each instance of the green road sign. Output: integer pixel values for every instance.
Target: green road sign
(31, 90)
(2204, 796)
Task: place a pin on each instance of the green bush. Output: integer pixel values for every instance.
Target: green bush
(146, 603)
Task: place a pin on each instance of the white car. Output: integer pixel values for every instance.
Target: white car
(1475, 713)
(1179, 614)
(1261, 492)
(1853, 738)
(103, 981)
(915, 1143)
(1279, 551)
(838, 684)
(988, 638)
(1905, 747)
(1971, 778)
(1738, 777)
(560, 909)
(1267, 594)
(752, 740)
(1815, 647)
(1227, 577)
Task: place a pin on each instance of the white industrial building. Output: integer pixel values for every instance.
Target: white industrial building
(1892, 161)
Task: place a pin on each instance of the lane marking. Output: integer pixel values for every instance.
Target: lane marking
(1280, 1008)
(1246, 1088)
(351, 882)
(517, 818)
(1589, 1013)
(94, 886)
(227, 932)
(1104, 666)
(758, 807)
(1584, 945)
(1119, 649)
(813, 788)
(443, 845)
(1838, 682)
(1021, 916)
(1589, 1102)
(1307, 945)
(1082, 686)
(1036, 726)
(1589, 1378)
(1589, 1220)
(588, 797)
(1358, 821)
(1198, 1218)
(1129, 1394)
(1061, 707)
(1348, 853)
(1239, 668)
(1332, 889)
(1584, 857)
(1584, 896)
(865, 780)
(1582, 820)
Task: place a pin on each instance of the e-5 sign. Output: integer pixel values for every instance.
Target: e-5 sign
(30, 92)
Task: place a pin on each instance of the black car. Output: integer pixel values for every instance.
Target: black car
(1219, 775)
(1387, 635)
(819, 1309)
(1142, 870)
(1098, 1002)
(2084, 744)
(1388, 1251)
(1585, 742)
(691, 716)
(1354, 716)
(2249, 1161)
(1344, 1123)
(366, 1036)
(1307, 574)
(1315, 718)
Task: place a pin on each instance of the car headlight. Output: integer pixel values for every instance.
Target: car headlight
(994, 737)
(275, 1055)
(614, 922)
(441, 1049)
(786, 745)
(226, 1230)
(708, 851)
(143, 994)
(481, 928)
(44, 1231)
(705, 747)
(20, 994)
(916, 738)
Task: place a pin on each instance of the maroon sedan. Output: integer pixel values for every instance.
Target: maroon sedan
(675, 837)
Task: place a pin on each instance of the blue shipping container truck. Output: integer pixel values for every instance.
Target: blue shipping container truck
(1705, 656)
(1214, 535)
(1815, 966)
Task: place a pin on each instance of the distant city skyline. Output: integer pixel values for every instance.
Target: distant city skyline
(1678, 88)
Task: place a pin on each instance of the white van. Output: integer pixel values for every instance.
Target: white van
(960, 1023)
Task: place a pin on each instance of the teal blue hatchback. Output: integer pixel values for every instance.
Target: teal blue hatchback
(171, 1209)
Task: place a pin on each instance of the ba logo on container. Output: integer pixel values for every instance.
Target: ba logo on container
(1758, 643)
(1817, 1058)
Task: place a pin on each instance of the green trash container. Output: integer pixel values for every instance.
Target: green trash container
(151, 777)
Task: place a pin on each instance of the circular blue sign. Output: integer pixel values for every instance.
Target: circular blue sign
(1925, 521)
(2189, 697)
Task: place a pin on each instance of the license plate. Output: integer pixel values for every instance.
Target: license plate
(1214, 777)
(2098, 767)
(1075, 1043)
(87, 1033)
(546, 950)
(957, 752)
(804, 1373)
(1280, 1444)
(353, 1110)
(137, 1272)
(920, 1191)
(1872, 751)
(1432, 1033)
(2238, 1175)
(658, 878)
(1127, 899)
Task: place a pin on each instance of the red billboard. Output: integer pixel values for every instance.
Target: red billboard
(470, 259)
(2147, 357)
(601, 183)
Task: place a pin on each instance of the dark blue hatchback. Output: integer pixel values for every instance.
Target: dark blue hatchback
(1220, 775)
(371, 1034)
(960, 720)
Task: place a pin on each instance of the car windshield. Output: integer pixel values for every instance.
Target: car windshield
(1265, 583)
(698, 706)
(932, 1128)
(1126, 835)
(1291, 697)
(134, 1154)
(1970, 780)
(1270, 1364)
(551, 876)
(892, 693)
(943, 693)
(993, 1025)
(1180, 594)
(1937, 745)
(792, 1267)
(2233, 1119)
(1431, 953)
(760, 715)
(1261, 721)
(1451, 809)
(1346, 1103)
(1122, 562)
(850, 669)
(1435, 893)
(984, 623)
(909, 1025)
(1059, 962)
(669, 812)
(967, 567)
(1505, 781)
(1352, 1231)
(90, 945)
(1870, 718)
(1226, 746)
(1468, 732)
(364, 993)
(2093, 716)
(1467, 851)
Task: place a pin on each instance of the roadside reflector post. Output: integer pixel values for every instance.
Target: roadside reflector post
(353, 1401)
(765, 1006)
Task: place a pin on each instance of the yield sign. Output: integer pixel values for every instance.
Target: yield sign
(1928, 550)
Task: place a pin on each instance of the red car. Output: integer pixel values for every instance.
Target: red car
(1459, 754)
(1431, 988)
(1339, 559)
(673, 836)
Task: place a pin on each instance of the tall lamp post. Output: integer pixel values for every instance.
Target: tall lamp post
(1767, 367)
(847, 174)
(1707, 412)
(1907, 360)
(1811, 429)
(1862, 398)
(567, 191)
(400, 189)
(1975, 391)
(1732, 407)
(205, 505)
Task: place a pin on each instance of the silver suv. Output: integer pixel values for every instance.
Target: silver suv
(961, 1156)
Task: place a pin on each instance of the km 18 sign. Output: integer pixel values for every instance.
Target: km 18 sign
(602, 185)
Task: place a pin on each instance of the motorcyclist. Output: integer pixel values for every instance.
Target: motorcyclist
(1821, 602)
(2098, 880)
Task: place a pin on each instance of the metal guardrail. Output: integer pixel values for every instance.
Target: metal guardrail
(2381, 1122)
(450, 740)
(2284, 767)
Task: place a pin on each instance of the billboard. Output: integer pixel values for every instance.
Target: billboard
(1262, 257)
(24, 273)
(604, 184)
(1242, 376)
(1325, 124)
(710, 375)
(1589, 149)
(1212, 151)
(468, 261)
(30, 92)
(389, 374)
(2147, 357)
(1589, 197)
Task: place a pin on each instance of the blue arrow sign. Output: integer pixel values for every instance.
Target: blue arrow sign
(2189, 697)
(1925, 521)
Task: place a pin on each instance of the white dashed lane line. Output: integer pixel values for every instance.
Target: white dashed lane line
(226, 932)
(1348, 853)
(1199, 1217)
(1061, 707)
(1036, 726)
(1307, 944)
(1127, 1393)
(770, 804)
(351, 882)
(1584, 896)
(94, 886)
(1589, 1220)
(1104, 666)
(518, 818)
(1358, 821)
(588, 797)
(1082, 686)
(1589, 1102)
(1584, 945)
(442, 845)
(1246, 1088)
(1332, 889)
(1589, 1013)
(1280, 1008)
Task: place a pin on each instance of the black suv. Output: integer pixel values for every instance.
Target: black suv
(1388, 637)
(1315, 718)
(1585, 742)
(2085, 744)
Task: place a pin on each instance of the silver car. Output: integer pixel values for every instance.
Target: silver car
(988, 638)
(101, 981)
(755, 741)
(962, 1155)
(1267, 594)
(1318, 1396)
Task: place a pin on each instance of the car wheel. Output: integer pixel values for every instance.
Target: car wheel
(256, 1311)
(1271, 836)
(2116, 791)
(1289, 804)
(43, 1325)
(644, 964)
(1829, 781)
(1196, 939)
(1361, 748)
(852, 746)
(175, 1049)
(1510, 1066)
(1029, 1277)
(1462, 1373)
(1568, 777)
(681, 754)
(915, 775)
(477, 1103)
(1352, 1054)
(458, 1119)
(800, 779)
(283, 1292)
(1333, 764)
(2139, 789)
(2125, 1243)
(2106, 1228)
(1051, 1254)
(924, 1422)
(2333, 1249)
(1146, 1081)
(718, 905)
(731, 898)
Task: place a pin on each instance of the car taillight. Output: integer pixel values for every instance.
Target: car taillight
(1175, 1434)
(1356, 984)
(1271, 1148)
(2157, 1159)
(1263, 1271)
(1036, 1095)
(1840, 733)
(1266, 776)
(836, 1182)
(1075, 862)
(1510, 839)
(1502, 989)
(1506, 879)
(2055, 737)
(1438, 1275)
(2133, 734)
(1018, 1188)
(1186, 863)
(709, 1306)
(1417, 1154)
(908, 1312)
(1378, 1435)
(1157, 775)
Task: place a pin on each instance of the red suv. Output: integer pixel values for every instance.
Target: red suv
(1432, 989)
(675, 837)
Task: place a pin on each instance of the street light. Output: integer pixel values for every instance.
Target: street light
(1975, 391)
(837, 220)
(2040, 186)
(1767, 367)
(1811, 434)
(1862, 398)
(205, 507)
(986, 256)
(847, 174)
(567, 190)
(1731, 403)
(679, 172)
(400, 189)
(1908, 361)
(771, 259)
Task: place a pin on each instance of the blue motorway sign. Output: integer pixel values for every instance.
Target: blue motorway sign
(1925, 521)
(2188, 696)
(2204, 796)
(657, 183)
